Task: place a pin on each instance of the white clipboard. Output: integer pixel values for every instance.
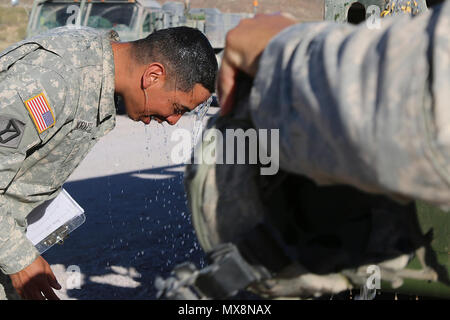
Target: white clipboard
(52, 221)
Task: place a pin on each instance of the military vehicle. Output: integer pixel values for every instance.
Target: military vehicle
(123, 16)
(132, 19)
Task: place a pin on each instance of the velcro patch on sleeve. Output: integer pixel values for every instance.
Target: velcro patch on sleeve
(40, 112)
(11, 132)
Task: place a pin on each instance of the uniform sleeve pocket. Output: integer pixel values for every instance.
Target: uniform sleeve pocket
(17, 136)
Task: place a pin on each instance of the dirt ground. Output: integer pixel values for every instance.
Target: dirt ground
(13, 20)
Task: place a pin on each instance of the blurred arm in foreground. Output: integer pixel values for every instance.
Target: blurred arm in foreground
(358, 106)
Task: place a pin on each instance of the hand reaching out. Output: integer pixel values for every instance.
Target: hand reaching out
(36, 282)
(243, 49)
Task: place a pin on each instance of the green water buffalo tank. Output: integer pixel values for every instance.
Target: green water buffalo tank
(356, 11)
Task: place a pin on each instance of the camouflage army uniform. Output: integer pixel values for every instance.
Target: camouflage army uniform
(72, 73)
(360, 106)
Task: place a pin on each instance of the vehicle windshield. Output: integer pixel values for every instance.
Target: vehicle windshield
(54, 15)
(111, 16)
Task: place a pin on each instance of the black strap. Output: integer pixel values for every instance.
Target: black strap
(256, 256)
(262, 246)
(227, 274)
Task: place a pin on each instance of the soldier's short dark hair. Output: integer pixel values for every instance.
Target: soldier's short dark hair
(185, 52)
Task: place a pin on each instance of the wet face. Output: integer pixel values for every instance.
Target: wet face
(158, 98)
(169, 105)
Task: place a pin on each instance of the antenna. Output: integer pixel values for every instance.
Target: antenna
(187, 6)
(255, 6)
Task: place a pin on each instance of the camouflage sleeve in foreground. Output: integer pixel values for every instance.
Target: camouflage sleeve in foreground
(16, 252)
(17, 136)
(23, 137)
(369, 108)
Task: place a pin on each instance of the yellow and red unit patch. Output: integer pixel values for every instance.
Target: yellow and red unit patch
(41, 112)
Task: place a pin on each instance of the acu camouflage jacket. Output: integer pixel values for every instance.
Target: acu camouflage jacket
(56, 100)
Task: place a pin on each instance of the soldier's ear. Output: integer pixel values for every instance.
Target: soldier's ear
(154, 75)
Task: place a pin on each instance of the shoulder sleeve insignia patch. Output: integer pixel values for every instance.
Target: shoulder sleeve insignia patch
(11, 132)
(40, 112)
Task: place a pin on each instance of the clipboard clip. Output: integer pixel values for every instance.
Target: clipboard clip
(57, 237)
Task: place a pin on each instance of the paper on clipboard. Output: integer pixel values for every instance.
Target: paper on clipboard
(52, 221)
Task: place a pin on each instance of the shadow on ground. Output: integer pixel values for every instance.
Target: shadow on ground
(136, 224)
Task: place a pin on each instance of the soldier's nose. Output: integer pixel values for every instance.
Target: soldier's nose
(173, 119)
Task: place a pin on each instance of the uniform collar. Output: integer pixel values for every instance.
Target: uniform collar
(107, 106)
